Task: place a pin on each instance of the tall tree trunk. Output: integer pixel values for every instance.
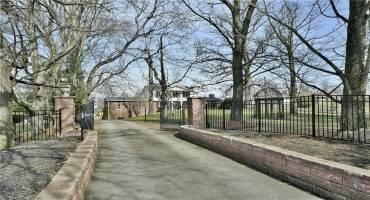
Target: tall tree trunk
(163, 104)
(6, 123)
(163, 83)
(356, 72)
(237, 79)
(151, 89)
(38, 76)
(293, 81)
(237, 62)
(80, 88)
(240, 33)
(247, 83)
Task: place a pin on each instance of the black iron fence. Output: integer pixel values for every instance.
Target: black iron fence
(338, 117)
(173, 116)
(86, 117)
(36, 125)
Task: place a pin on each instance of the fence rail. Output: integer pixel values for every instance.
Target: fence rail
(338, 117)
(36, 125)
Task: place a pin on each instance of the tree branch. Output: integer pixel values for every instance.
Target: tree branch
(345, 20)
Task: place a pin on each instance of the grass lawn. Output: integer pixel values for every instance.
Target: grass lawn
(149, 118)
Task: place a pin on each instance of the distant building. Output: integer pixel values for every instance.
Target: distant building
(177, 95)
(123, 107)
(127, 107)
(212, 99)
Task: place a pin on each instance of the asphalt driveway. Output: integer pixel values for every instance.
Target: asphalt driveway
(136, 162)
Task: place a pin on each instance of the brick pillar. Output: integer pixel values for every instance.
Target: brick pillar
(67, 106)
(196, 114)
(154, 107)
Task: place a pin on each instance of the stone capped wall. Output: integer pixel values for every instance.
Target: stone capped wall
(324, 178)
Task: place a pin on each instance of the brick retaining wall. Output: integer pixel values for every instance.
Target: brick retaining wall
(72, 179)
(324, 178)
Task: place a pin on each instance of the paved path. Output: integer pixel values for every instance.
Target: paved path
(136, 162)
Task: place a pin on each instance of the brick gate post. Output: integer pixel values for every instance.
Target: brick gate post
(66, 104)
(196, 114)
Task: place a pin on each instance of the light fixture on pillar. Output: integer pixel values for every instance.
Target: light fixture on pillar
(65, 87)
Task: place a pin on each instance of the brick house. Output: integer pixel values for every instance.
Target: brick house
(123, 108)
(177, 95)
(127, 107)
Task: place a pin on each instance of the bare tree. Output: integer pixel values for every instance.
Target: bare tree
(25, 53)
(239, 21)
(287, 48)
(354, 74)
(108, 49)
(51, 39)
(165, 56)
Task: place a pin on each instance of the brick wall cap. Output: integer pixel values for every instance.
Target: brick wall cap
(67, 183)
(347, 169)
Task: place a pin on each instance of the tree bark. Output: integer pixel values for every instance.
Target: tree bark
(247, 84)
(237, 79)
(6, 122)
(163, 83)
(240, 32)
(356, 72)
(151, 89)
(293, 81)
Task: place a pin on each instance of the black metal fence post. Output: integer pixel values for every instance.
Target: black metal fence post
(145, 114)
(223, 117)
(60, 122)
(259, 115)
(207, 123)
(93, 116)
(82, 122)
(183, 110)
(313, 116)
(181, 116)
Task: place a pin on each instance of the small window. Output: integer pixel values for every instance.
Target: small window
(119, 106)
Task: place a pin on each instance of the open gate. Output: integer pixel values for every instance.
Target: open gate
(174, 116)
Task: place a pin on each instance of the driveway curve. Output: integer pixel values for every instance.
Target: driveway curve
(136, 162)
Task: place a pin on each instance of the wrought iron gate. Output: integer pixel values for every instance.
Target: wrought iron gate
(87, 117)
(174, 115)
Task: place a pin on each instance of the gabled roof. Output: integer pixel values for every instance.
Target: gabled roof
(120, 99)
(174, 88)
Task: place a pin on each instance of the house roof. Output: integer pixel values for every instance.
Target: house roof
(175, 88)
(120, 99)
(212, 99)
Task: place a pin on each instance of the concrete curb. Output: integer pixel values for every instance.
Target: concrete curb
(324, 178)
(73, 178)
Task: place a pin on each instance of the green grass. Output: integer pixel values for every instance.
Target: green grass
(149, 118)
(217, 113)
